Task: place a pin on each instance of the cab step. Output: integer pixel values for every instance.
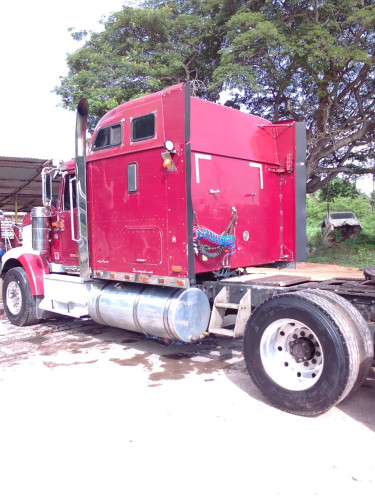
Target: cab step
(222, 304)
(222, 332)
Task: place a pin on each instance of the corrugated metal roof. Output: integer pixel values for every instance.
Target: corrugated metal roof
(21, 183)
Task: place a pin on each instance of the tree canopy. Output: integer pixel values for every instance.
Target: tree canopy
(338, 188)
(310, 60)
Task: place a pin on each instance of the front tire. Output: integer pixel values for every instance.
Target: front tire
(301, 353)
(19, 302)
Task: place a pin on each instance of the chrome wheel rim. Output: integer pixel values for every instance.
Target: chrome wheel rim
(14, 298)
(291, 354)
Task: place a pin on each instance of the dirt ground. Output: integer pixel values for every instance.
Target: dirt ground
(90, 412)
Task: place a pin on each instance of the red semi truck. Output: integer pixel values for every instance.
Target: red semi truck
(154, 230)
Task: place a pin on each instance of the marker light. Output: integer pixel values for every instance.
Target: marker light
(169, 146)
(167, 162)
(176, 269)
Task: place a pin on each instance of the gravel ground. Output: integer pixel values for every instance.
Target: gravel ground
(91, 412)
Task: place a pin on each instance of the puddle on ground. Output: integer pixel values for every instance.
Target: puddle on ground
(86, 343)
(177, 369)
(37, 339)
(179, 355)
(138, 359)
(175, 366)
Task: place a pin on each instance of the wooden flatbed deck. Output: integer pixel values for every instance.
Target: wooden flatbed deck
(303, 273)
(312, 270)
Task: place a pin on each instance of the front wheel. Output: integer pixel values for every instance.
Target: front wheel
(19, 302)
(301, 353)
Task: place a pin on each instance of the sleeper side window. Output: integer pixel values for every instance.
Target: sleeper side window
(108, 137)
(143, 127)
(132, 173)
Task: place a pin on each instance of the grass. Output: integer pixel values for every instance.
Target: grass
(358, 252)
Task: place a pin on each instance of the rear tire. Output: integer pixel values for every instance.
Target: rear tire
(360, 328)
(19, 302)
(302, 353)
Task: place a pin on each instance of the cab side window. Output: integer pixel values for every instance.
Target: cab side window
(108, 137)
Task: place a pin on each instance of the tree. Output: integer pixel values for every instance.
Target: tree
(143, 50)
(372, 200)
(311, 60)
(338, 188)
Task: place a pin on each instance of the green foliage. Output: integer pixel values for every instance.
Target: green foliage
(304, 59)
(343, 188)
(313, 61)
(316, 210)
(143, 50)
(358, 252)
(372, 200)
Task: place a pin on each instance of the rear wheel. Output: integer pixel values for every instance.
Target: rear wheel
(359, 327)
(301, 352)
(19, 302)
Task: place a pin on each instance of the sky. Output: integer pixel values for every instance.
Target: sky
(35, 41)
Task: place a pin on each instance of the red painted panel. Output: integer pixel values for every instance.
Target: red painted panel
(146, 245)
(143, 231)
(239, 161)
(63, 249)
(224, 131)
(227, 183)
(36, 267)
(287, 154)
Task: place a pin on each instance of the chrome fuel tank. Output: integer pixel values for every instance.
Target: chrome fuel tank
(41, 227)
(179, 314)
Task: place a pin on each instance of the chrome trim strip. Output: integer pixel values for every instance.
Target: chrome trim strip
(144, 279)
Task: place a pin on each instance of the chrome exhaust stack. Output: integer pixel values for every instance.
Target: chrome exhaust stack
(80, 173)
(81, 126)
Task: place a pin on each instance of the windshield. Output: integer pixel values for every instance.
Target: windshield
(342, 215)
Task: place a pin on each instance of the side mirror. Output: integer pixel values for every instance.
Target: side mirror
(46, 187)
(48, 175)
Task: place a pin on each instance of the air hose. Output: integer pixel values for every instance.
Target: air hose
(223, 242)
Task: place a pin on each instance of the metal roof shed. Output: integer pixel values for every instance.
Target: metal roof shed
(21, 183)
